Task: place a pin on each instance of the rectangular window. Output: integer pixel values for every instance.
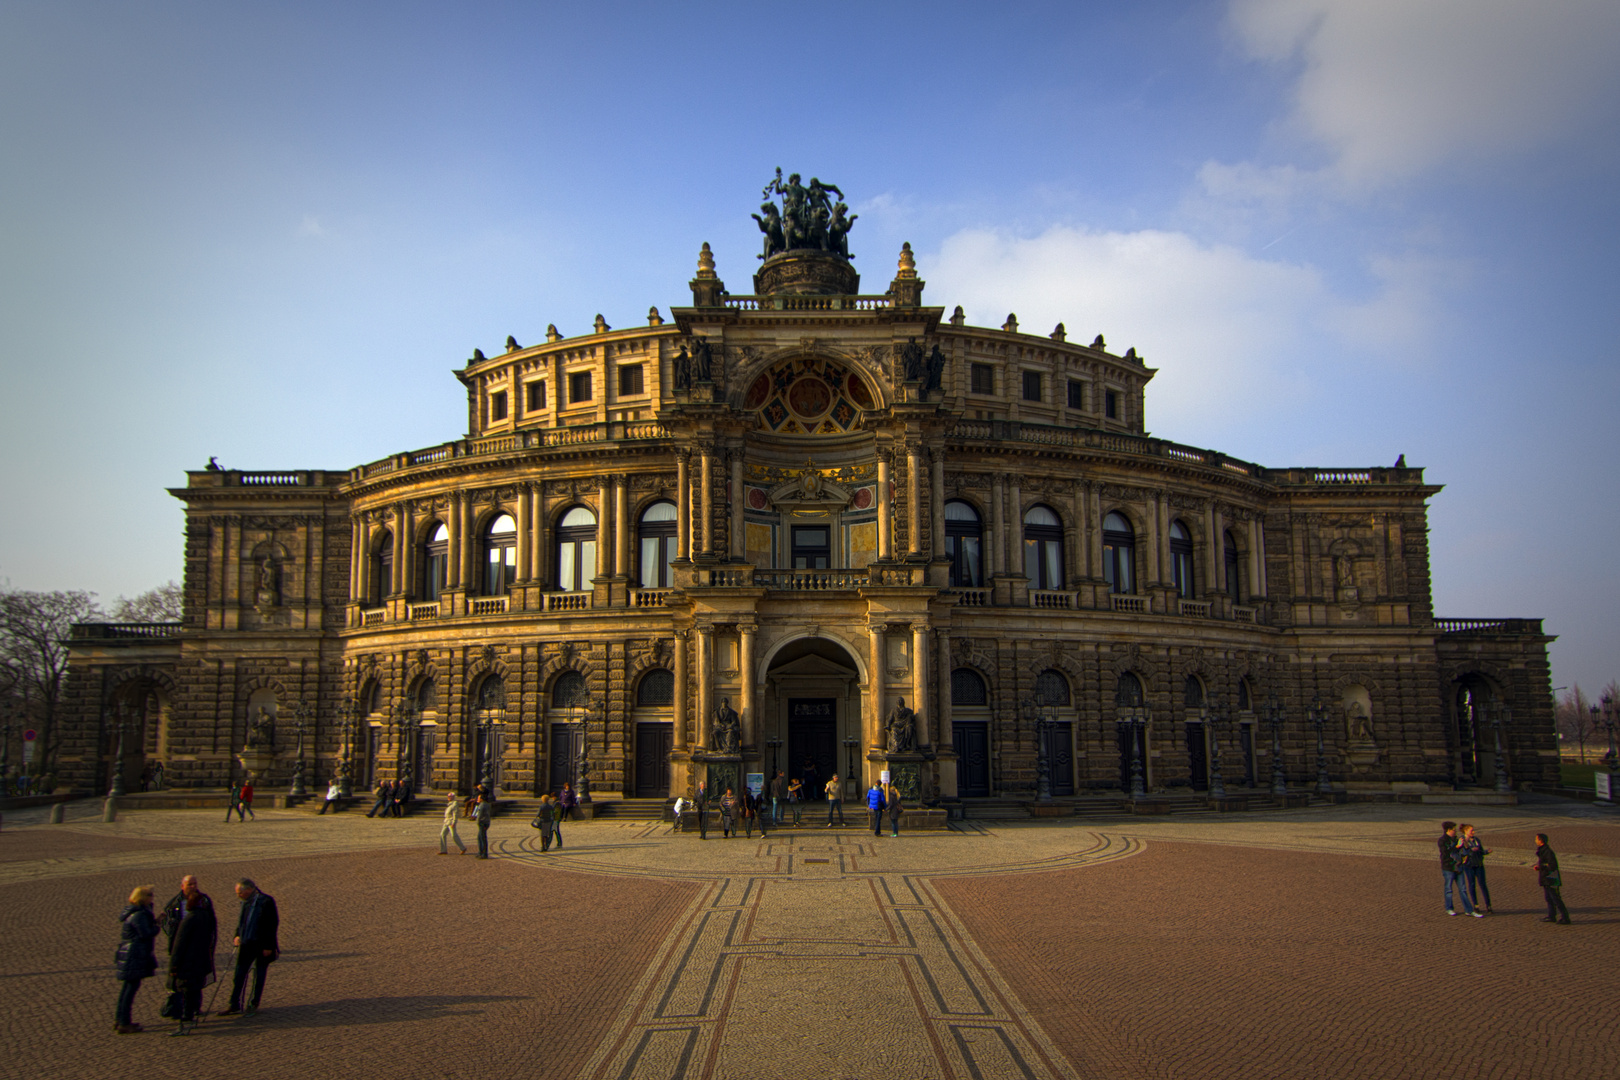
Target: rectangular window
(1077, 394)
(579, 387)
(534, 396)
(984, 379)
(629, 379)
(1111, 404)
(812, 547)
(1032, 386)
(497, 406)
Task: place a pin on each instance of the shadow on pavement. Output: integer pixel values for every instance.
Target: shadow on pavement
(348, 1012)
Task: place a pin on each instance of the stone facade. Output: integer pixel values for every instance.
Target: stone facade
(874, 536)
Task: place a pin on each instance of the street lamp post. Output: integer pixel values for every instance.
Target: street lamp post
(1136, 719)
(582, 764)
(774, 743)
(1039, 711)
(1610, 709)
(1279, 778)
(852, 746)
(345, 769)
(1217, 788)
(1499, 716)
(300, 715)
(117, 787)
(1318, 714)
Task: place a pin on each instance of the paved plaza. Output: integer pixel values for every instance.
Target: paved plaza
(1306, 943)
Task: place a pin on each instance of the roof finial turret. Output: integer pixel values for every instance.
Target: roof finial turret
(908, 264)
(705, 262)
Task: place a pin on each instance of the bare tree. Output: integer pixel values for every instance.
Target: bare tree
(1574, 715)
(34, 628)
(162, 604)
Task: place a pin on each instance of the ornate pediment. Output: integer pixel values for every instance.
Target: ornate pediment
(809, 490)
(813, 667)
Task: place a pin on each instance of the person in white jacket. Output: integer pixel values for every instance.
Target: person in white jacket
(452, 810)
(331, 797)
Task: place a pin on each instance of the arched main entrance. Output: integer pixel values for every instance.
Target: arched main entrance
(812, 716)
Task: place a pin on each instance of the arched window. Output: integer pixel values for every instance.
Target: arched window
(1128, 691)
(1234, 567)
(1119, 554)
(967, 688)
(382, 568)
(1051, 688)
(569, 691)
(371, 701)
(427, 697)
(435, 563)
(576, 550)
(657, 545)
(500, 555)
(1043, 548)
(1181, 559)
(491, 696)
(1192, 693)
(1245, 700)
(964, 537)
(657, 688)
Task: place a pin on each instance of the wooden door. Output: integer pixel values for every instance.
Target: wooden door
(1197, 756)
(564, 749)
(1059, 751)
(972, 742)
(653, 744)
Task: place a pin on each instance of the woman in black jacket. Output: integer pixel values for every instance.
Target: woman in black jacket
(193, 933)
(1551, 881)
(136, 958)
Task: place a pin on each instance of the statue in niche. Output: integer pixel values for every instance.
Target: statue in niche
(261, 733)
(934, 370)
(702, 360)
(267, 596)
(1357, 722)
(911, 361)
(682, 365)
(902, 729)
(727, 728)
(1344, 576)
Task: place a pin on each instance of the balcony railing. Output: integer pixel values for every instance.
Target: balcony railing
(1196, 609)
(488, 605)
(813, 580)
(568, 601)
(1131, 605)
(1053, 599)
(650, 598)
(507, 443)
(374, 617)
(970, 597)
(1243, 614)
(424, 611)
(1488, 626)
(123, 631)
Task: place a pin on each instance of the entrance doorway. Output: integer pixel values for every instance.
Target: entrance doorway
(972, 742)
(1125, 731)
(812, 743)
(1059, 753)
(653, 744)
(1246, 747)
(565, 746)
(1197, 755)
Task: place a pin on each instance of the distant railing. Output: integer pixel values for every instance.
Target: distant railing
(271, 479)
(647, 598)
(1131, 605)
(487, 605)
(526, 439)
(1196, 609)
(425, 611)
(732, 579)
(1488, 626)
(1243, 614)
(568, 601)
(808, 303)
(374, 617)
(812, 580)
(123, 630)
(970, 597)
(1051, 598)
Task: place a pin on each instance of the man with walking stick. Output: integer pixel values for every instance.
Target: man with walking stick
(189, 921)
(256, 944)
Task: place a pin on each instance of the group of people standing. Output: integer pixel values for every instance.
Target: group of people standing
(784, 798)
(1462, 867)
(393, 799)
(192, 930)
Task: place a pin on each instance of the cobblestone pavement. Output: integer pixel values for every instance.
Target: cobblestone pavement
(1311, 942)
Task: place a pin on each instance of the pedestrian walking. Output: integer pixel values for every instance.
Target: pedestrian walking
(1473, 853)
(157, 777)
(874, 808)
(447, 831)
(234, 802)
(247, 799)
(136, 958)
(778, 796)
(383, 791)
(835, 800)
(257, 944)
(566, 801)
(482, 813)
(332, 792)
(679, 808)
(545, 819)
(193, 933)
(396, 800)
(1451, 864)
(700, 802)
(728, 814)
(556, 824)
(795, 798)
(1551, 881)
(748, 807)
(893, 806)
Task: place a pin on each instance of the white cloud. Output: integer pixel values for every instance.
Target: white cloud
(311, 226)
(1394, 87)
(1218, 322)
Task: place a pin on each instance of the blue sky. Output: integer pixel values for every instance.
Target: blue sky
(1343, 230)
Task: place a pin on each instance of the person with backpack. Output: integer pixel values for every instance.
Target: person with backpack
(545, 819)
(874, 808)
(795, 799)
(483, 813)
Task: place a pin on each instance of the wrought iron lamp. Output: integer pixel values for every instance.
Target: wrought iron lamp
(1279, 778)
(1318, 715)
(1212, 720)
(300, 715)
(117, 787)
(1499, 716)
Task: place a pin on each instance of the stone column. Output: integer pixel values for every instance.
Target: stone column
(681, 707)
(397, 585)
(1082, 532)
(1260, 557)
(1212, 540)
(706, 498)
(1015, 526)
(604, 529)
(1155, 571)
(469, 546)
(937, 488)
(621, 526)
(746, 672)
(407, 550)
(705, 662)
(525, 522)
(913, 500)
(885, 520)
(538, 567)
(998, 542)
(357, 559)
(874, 722)
(683, 505)
(1094, 525)
(919, 681)
(736, 544)
(946, 735)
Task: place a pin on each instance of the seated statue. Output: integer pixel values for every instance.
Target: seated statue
(902, 729)
(261, 734)
(727, 728)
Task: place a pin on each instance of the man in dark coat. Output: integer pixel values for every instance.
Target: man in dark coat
(193, 932)
(701, 802)
(1551, 882)
(1451, 869)
(256, 944)
(482, 813)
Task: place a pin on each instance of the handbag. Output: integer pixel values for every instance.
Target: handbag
(172, 1006)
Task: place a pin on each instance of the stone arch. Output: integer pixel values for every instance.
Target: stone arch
(119, 678)
(640, 665)
(481, 669)
(857, 656)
